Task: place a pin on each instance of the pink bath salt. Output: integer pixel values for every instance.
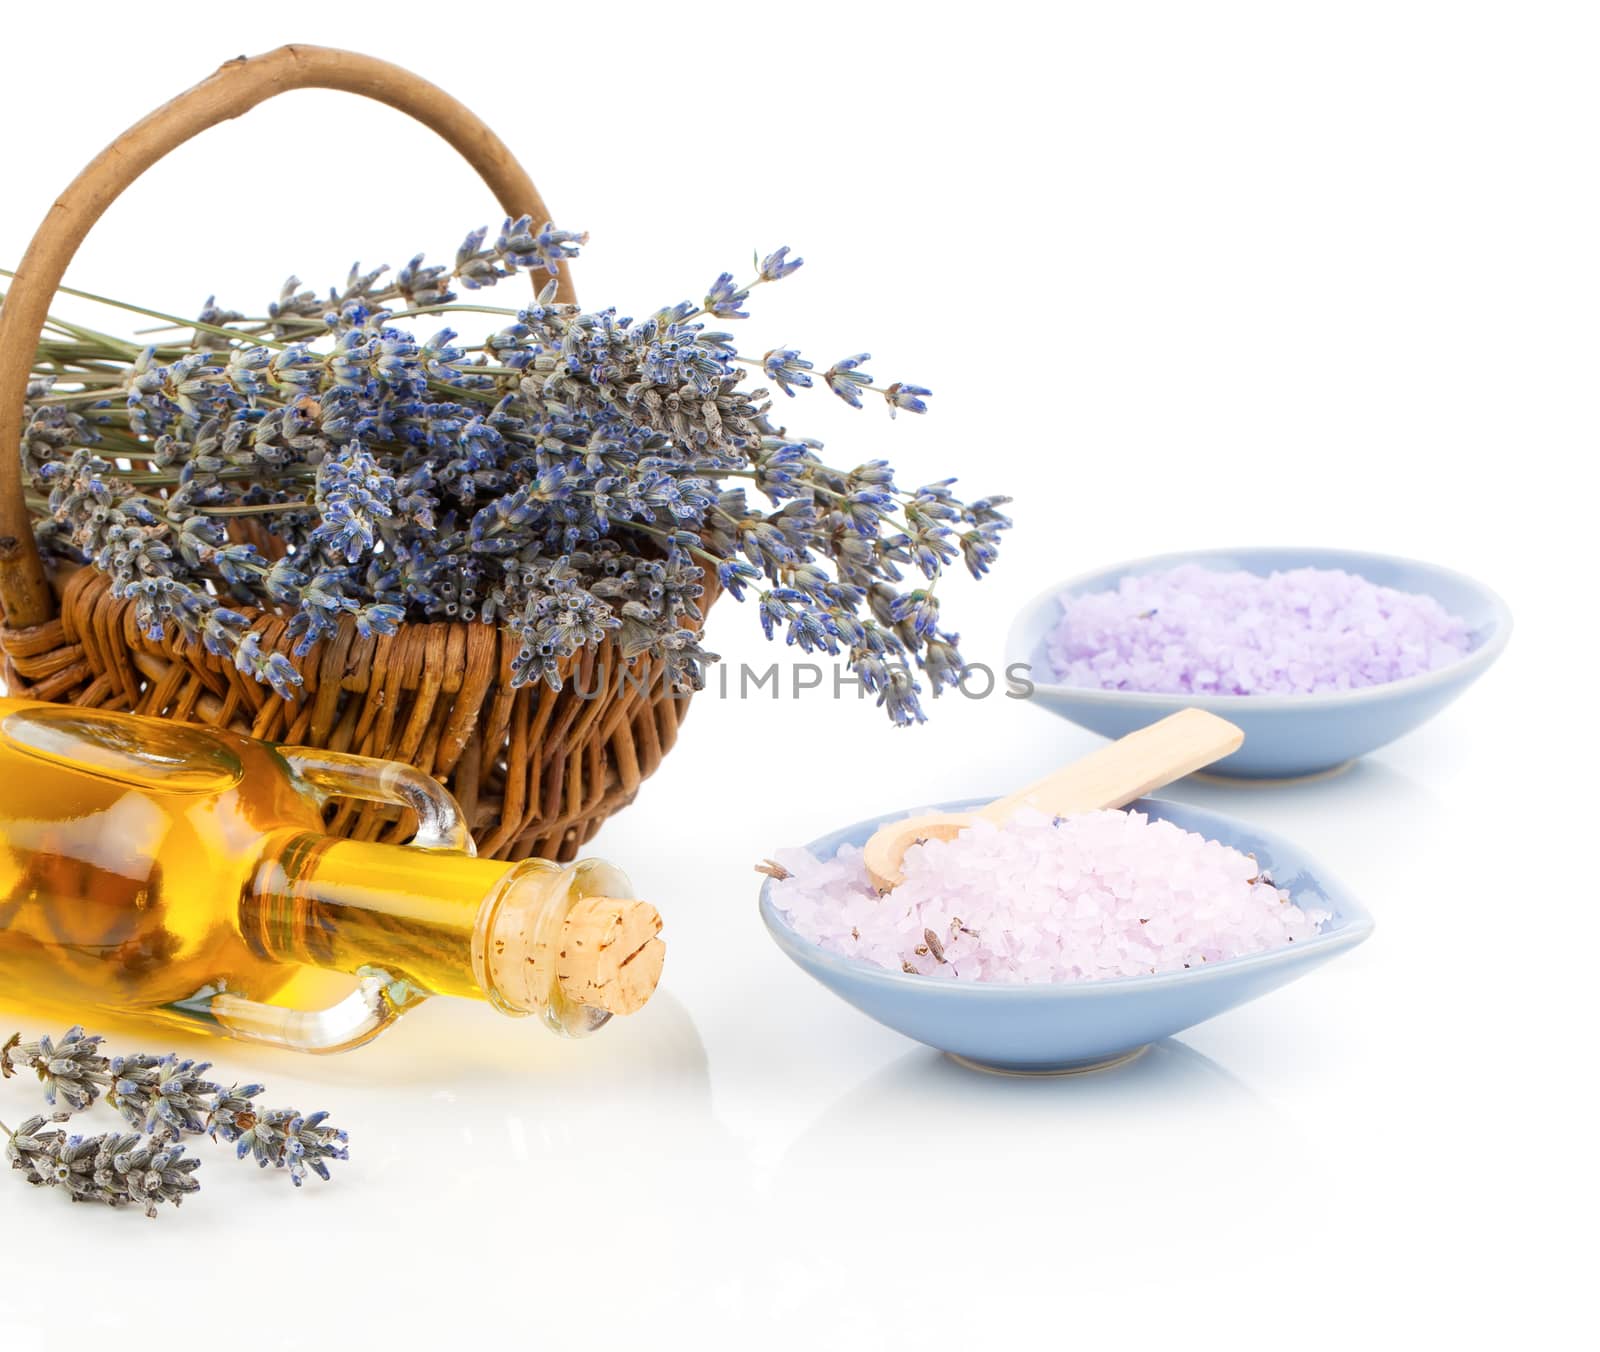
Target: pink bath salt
(1079, 898)
(1198, 630)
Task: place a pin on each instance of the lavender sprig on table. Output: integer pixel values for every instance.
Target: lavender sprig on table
(115, 1169)
(164, 1098)
(570, 475)
(285, 1138)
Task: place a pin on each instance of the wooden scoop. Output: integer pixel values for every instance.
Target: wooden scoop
(1110, 777)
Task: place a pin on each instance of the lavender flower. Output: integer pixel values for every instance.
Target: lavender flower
(725, 299)
(911, 398)
(308, 1144)
(233, 1111)
(787, 369)
(72, 1070)
(355, 492)
(778, 265)
(846, 381)
(161, 1096)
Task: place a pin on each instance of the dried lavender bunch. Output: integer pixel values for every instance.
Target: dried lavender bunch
(168, 1099)
(115, 1169)
(573, 474)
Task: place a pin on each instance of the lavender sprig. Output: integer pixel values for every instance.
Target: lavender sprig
(115, 1169)
(281, 1137)
(165, 1100)
(285, 1138)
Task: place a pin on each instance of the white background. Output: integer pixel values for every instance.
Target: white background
(1179, 276)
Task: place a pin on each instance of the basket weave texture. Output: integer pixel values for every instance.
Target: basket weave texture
(536, 770)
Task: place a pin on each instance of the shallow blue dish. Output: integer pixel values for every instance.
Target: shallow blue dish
(1065, 1027)
(1285, 736)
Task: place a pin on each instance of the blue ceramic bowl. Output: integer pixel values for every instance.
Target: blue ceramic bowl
(1064, 1027)
(1285, 736)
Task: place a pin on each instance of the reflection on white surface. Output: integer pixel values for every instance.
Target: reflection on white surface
(1169, 1077)
(924, 1110)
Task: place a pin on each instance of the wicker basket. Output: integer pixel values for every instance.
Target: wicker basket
(536, 771)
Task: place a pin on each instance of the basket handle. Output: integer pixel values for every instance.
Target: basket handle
(235, 88)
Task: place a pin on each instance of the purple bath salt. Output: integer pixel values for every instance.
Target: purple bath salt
(1198, 630)
(1080, 898)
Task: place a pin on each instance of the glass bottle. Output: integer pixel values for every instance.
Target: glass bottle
(184, 873)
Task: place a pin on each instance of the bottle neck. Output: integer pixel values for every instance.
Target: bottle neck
(531, 937)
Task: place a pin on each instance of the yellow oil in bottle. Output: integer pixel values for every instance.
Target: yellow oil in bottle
(154, 867)
(122, 845)
(354, 904)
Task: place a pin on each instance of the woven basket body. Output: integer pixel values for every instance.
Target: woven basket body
(536, 770)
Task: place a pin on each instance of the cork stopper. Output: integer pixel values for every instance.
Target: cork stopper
(565, 942)
(608, 955)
